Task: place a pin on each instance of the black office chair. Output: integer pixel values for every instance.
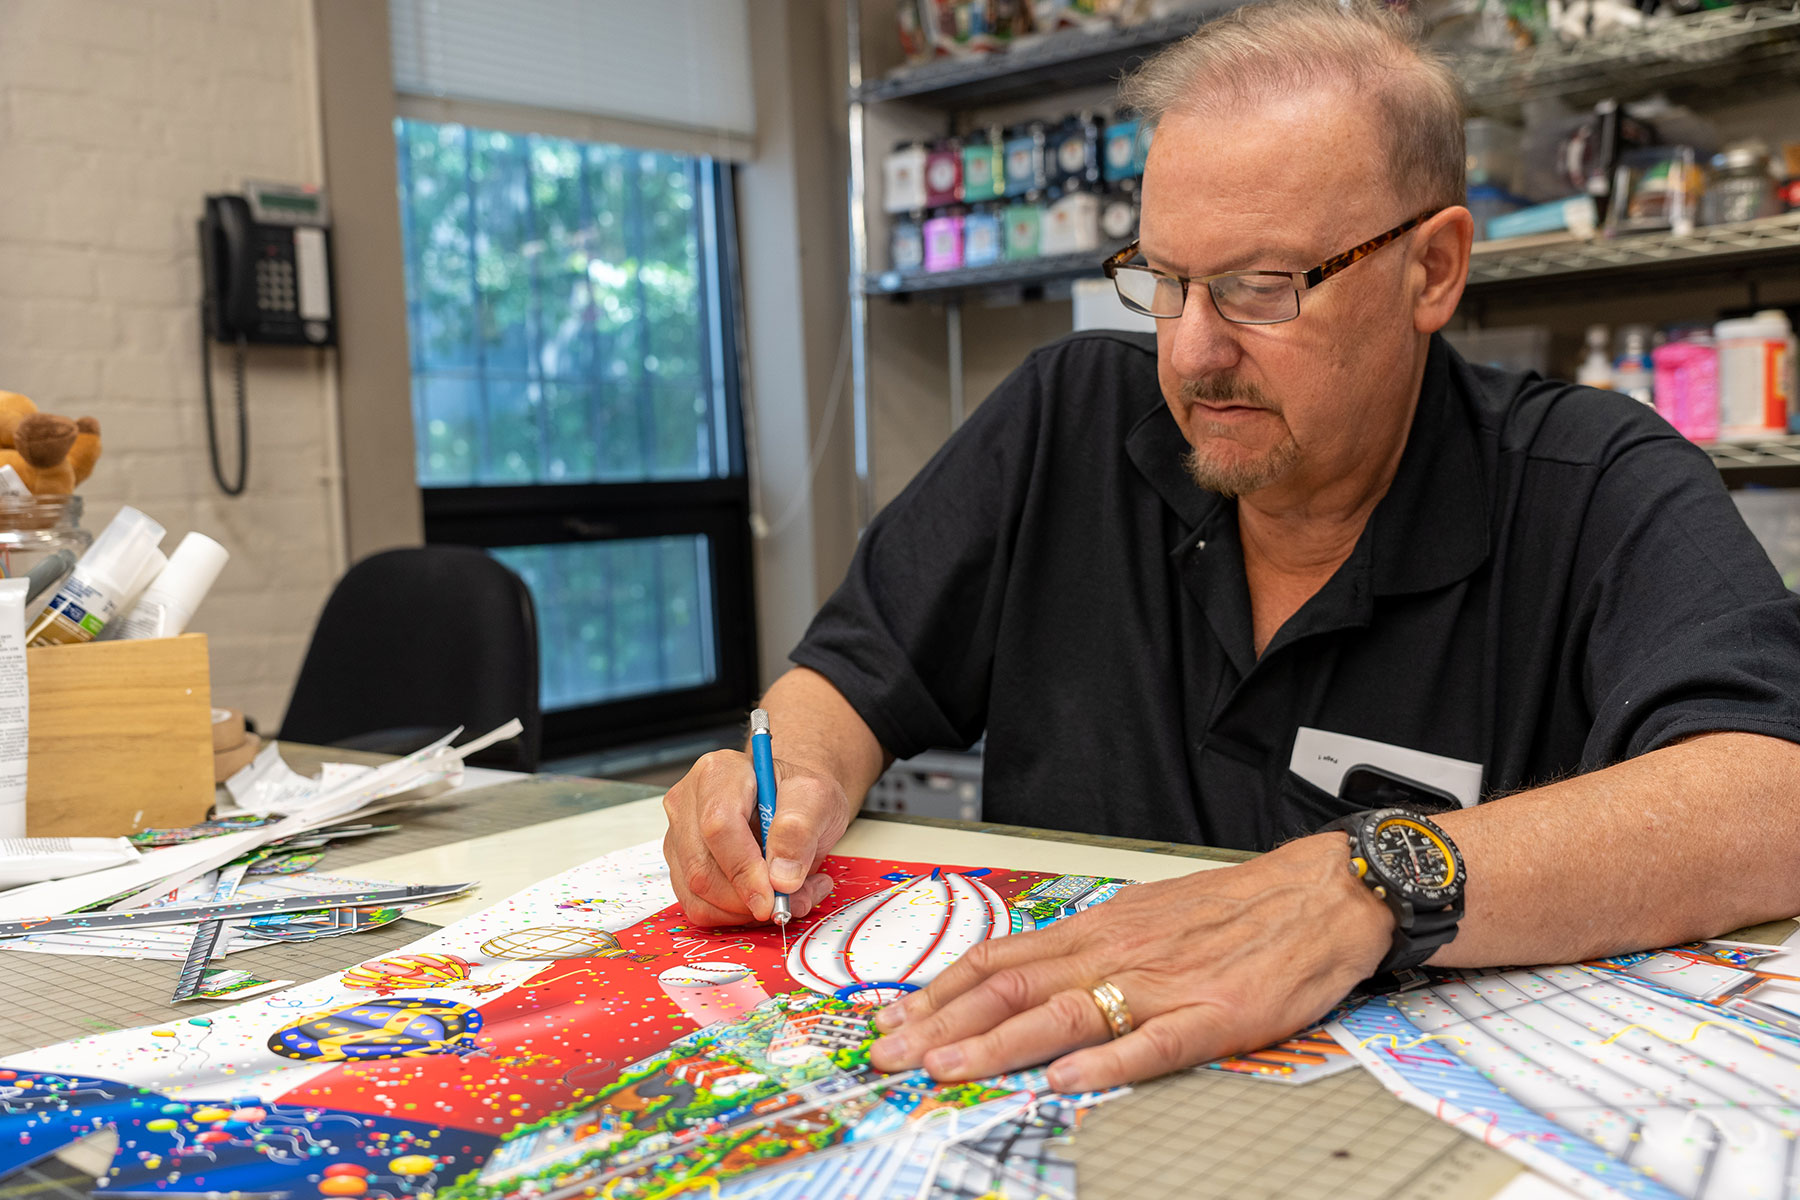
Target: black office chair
(413, 643)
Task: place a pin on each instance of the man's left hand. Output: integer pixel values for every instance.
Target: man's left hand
(1210, 964)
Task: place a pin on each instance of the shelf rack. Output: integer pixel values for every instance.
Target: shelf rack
(1749, 44)
(1771, 242)
(1768, 244)
(1067, 59)
(1713, 48)
(1771, 463)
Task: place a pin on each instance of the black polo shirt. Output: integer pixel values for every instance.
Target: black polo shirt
(1555, 581)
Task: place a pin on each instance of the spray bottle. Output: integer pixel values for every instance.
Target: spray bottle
(91, 595)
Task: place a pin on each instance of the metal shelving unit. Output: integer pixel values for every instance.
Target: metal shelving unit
(1025, 274)
(1711, 49)
(1751, 44)
(1771, 243)
(1771, 463)
(1069, 58)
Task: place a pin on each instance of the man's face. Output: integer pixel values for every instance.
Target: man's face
(1281, 186)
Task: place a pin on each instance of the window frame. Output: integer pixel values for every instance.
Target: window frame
(494, 516)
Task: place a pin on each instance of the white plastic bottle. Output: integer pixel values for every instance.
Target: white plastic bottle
(1596, 369)
(169, 602)
(1756, 363)
(90, 597)
(1632, 373)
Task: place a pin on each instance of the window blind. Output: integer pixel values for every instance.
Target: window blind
(662, 74)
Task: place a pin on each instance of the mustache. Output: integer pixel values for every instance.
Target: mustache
(1227, 389)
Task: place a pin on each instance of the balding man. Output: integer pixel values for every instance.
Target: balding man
(1489, 665)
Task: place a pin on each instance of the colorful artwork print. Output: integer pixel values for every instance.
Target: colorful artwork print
(578, 1031)
(410, 972)
(397, 1028)
(1666, 1074)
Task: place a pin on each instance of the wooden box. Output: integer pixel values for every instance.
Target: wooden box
(121, 737)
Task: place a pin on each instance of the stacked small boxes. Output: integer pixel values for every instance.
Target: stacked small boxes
(1035, 189)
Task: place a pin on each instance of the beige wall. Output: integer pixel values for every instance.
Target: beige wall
(381, 492)
(791, 221)
(117, 117)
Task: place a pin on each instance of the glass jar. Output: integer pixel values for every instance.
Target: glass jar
(1742, 188)
(41, 537)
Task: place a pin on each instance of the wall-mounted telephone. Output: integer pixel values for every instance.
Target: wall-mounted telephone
(265, 258)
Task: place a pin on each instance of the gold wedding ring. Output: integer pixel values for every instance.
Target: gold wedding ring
(1111, 1003)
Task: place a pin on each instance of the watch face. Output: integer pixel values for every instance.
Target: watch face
(1417, 860)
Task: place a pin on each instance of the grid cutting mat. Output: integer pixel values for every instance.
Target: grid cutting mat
(51, 998)
(1203, 1135)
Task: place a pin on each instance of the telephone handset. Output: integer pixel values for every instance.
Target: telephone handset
(265, 259)
(268, 268)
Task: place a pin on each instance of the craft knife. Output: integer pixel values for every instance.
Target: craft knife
(187, 914)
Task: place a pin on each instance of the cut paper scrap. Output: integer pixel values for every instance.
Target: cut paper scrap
(580, 1029)
(1303, 1058)
(1666, 1074)
(223, 983)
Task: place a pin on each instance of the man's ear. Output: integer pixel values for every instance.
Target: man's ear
(1440, 265)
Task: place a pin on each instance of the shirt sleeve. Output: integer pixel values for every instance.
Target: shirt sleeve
(1689, 628)
(909, 637)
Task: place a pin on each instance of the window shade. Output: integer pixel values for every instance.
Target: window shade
(664, 74)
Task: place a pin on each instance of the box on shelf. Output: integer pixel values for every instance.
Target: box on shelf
(121, 737)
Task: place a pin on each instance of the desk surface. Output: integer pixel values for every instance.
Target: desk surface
(1196, 1134)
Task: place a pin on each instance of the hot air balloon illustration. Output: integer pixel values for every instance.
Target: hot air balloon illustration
(897, 940)
(399, 1028)
(559, 941)
(411, 972)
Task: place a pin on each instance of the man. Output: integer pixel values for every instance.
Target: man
(1144, 572)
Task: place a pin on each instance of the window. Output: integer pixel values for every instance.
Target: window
(575, 411)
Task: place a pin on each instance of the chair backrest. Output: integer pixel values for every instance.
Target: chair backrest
(428, 637)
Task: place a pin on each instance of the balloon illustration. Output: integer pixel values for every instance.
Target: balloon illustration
(410, 972)
(559, 941)
(898, 940)
(403, 1027)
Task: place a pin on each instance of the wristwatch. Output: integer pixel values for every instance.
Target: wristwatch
(1415, 868)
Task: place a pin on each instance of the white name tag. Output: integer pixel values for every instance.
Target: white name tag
(1323, 759)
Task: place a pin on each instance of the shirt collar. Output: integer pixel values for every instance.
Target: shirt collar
(1430, 530)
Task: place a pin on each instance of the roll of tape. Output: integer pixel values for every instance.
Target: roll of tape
(228, 729)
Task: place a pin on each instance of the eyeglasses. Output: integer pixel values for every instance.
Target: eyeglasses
(1246, 297)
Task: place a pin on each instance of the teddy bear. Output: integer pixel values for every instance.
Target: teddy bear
(53, 455)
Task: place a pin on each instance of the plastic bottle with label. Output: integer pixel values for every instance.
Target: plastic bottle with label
(1756, 380)
(1596, 369)
(91, 595)
(168, 604)
(1632, 373)
(1687, 383)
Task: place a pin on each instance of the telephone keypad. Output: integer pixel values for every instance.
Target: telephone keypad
(275, 285)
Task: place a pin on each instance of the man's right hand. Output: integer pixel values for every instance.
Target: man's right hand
(715, 863)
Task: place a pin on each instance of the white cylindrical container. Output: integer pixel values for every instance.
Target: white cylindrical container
(90, 596)
(1756, 387)
(15, 708)
(169, 602)
(153, 566)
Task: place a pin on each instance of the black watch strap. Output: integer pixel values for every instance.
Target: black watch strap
(1417, 932)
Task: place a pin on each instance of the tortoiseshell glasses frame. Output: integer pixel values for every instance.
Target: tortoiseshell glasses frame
(1242, 297)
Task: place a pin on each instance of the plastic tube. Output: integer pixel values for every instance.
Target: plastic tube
(90, 596)
(32, 860)
(153, 566)
(169, 602)
(15, 707)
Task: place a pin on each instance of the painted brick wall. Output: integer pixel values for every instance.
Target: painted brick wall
(117, 117)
